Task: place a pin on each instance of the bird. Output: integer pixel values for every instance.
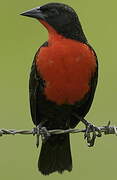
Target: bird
(62, 83)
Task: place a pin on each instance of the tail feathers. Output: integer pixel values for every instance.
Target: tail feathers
(55, 155)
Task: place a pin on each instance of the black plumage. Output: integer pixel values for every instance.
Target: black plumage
(55, 153)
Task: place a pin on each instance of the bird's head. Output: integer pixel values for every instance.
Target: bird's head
(62, 18)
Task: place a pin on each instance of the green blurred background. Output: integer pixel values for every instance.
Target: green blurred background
(19, 39)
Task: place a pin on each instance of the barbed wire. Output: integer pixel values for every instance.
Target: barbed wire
(106, 130)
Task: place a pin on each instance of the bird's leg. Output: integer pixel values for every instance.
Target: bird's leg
(41, 130)
(90, 128)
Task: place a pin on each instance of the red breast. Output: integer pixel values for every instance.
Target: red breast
(66, 66)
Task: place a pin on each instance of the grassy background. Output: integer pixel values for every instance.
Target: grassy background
(19, 39)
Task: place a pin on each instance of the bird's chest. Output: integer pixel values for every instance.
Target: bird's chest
(67, 70)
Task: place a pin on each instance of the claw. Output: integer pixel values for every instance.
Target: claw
(44, 134)
(90, 128)
(39, 130)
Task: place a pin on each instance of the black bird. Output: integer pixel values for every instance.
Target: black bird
(62, 83)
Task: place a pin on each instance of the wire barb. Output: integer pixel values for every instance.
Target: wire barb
(104, 129)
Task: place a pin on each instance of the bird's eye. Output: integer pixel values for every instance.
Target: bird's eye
(43, 9)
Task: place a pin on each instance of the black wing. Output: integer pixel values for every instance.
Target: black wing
(36, 85)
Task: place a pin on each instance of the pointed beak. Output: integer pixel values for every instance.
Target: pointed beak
(34, 13)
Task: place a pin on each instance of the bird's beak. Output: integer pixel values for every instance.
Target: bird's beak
(34, 13)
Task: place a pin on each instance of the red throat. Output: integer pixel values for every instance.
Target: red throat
(66, 66)
(52, 33)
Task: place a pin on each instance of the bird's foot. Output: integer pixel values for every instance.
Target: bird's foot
(91, 133)
(41, 130)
